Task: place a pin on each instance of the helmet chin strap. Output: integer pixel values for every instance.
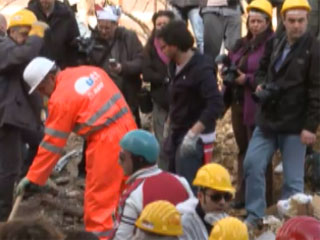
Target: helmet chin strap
(138, 163)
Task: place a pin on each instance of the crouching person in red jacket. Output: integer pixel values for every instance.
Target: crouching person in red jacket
(147, 183)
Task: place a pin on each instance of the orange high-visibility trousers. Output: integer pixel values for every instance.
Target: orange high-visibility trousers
(104, 179)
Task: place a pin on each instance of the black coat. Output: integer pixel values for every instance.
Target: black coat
(297, 105)
(17, 107)
(155, 71)
(194, 95)
(60, 38)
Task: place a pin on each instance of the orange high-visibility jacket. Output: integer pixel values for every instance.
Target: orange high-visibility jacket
(85, 100)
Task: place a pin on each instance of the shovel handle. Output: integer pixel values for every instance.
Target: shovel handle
(15, 207)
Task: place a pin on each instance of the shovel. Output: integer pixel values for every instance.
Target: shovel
(15, 207)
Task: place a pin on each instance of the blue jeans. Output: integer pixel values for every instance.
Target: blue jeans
(187, 165)
(259, 154)
(197, 26)
(192, 14)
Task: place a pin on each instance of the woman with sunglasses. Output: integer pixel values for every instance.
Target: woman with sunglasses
(215, 193)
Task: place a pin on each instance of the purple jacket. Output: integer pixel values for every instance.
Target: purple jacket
(249, 106)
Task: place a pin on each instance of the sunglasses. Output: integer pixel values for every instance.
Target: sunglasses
(217, 197)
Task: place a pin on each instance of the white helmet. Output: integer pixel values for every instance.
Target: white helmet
(111, 13)
(36, 71)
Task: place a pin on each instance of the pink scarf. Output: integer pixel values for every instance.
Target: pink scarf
(162, 56)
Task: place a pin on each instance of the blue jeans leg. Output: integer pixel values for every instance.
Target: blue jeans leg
(197, 26)
(293, 153)
(259, 154)
(188, 164)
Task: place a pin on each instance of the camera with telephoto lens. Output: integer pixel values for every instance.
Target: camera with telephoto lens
(86, 48)
(269, 91)
(85, 45)
(229, 70)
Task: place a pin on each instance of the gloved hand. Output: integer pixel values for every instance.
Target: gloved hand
(38, 28)
(22, 185)
(189, 143)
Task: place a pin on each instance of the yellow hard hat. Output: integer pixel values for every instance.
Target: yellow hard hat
(23, 17)
(262, 5)
(293, 4)
(229, 228)
(160, 217)
(214, 176)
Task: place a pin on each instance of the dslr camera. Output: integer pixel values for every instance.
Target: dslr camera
(85, 45)
(269, 91)
(229, 70)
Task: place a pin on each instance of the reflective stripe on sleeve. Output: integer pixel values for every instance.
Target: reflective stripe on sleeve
(99, 113)
(106, 233)
(50, 147)
(56, 133)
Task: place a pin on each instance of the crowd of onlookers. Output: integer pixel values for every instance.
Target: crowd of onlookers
(271, 83)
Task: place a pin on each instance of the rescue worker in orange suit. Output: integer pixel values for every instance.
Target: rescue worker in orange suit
(83, 100)
(146, 183)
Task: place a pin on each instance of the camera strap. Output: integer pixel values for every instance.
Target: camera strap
(106, 53)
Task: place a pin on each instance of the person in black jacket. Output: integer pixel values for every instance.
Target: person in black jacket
(288, 114)
(60, 40)
(155, 71)
(194, 101)
(18, 110)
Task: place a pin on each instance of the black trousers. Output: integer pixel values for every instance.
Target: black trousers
(10, 165)
(33, 139)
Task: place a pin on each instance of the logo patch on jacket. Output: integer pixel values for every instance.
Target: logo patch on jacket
(89, 85)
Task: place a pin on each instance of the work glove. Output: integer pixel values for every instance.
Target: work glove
(22, 185)
(26, 186)
(38, 28)
(189, 143)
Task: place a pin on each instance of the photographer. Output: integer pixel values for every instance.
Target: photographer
(240, 82)
(288, 113)
(119, 52)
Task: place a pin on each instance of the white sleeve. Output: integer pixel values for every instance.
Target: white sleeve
(188, 232)
(131, 212)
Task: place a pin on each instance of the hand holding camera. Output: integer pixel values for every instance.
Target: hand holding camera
(115, 66)
(241, 79)
(230, 71)
(266, 92)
